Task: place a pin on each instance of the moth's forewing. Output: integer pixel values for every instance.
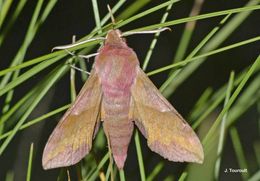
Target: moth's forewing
(72, 138)
(168, 134)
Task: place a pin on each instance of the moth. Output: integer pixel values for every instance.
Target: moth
(120, 95)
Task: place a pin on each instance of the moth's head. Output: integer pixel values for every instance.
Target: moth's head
(114, 37)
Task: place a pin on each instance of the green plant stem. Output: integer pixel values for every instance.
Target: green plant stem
(139, 156)
(29, 169)
(122, 175)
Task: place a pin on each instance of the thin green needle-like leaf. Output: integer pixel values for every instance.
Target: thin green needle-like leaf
(100, 165)
(122, 175)
(214, 42)
(168, 86)
(27, 40)
(55, 75)
(46, 12)
(194, 18)
(200, 104)
(216, 99)
(110, 167)
(20, 55)
(239, 152)
(133, 8)
(32, 29)
(258, 110)
(231, 100)
(155, 171)
(36, 69)
(255, 177)
(96, 14)
(222, 127)
(62, 175)
(246, 100)
(15, 107)
(13, 18)
(184, 62)
(139, 156)
(188, 31)
(241, 106)
(9, 176)
(29, 168)
(4, 10)
(183, 176)
(108, 173)
(230, 27)
(154, 41)
(37, 120)
(147, 12)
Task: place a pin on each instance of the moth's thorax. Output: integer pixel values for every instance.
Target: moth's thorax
(116, 63)
(114, 38)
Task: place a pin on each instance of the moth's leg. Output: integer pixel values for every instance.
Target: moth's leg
(88, 56)
(73, 42)
(79, 69)
(71, 63)
(66, 47)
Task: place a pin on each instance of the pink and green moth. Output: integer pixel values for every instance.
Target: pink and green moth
(119, 95)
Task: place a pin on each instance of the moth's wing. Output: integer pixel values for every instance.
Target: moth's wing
(72, 139)
(168, 134)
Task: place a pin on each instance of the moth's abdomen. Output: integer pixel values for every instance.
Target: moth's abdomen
(118, 128)
(119, 134)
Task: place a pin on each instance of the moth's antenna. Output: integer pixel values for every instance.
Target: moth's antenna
(145, 32)
(111, 15)
(64, 47)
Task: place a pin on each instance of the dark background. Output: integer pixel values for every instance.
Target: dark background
(70, 18)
